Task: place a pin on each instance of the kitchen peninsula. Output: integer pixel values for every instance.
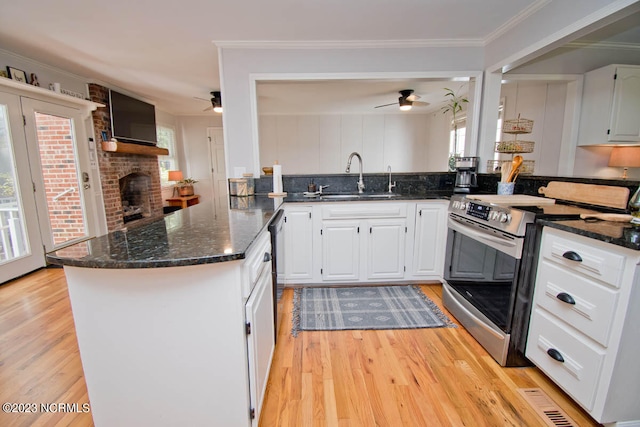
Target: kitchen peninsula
(160, 313)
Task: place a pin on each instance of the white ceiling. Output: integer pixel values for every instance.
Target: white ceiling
(165, 51)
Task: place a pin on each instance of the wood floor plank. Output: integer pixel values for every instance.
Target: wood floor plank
(419, 377)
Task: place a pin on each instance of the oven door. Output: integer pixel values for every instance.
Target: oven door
(481, 272)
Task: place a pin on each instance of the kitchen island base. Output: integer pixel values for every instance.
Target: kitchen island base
(166, 346)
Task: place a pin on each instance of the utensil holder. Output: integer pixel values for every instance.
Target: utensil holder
(506, 187)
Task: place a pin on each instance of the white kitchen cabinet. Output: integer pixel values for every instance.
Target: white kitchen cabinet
(363, 237)
(583, 329)
(298, 247)
(341, 250)
(429, 241)
(611, 106)
(385, 248)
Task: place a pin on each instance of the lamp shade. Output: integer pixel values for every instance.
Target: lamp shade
(175, 176)
(625, 157)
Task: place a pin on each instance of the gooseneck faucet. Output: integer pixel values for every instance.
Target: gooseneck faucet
(360, 181)
(390, 184)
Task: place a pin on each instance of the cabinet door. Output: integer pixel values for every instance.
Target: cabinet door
(340, 250)
(298, 250)
(625, 114)
(260, 339)
(385, 248)
(429, 243)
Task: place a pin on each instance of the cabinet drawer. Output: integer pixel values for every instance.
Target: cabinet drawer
(255, 262)
(364, 210)
(594, 304)
(595, 262)
(578, 375)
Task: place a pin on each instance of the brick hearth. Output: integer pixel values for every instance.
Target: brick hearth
(114, 166)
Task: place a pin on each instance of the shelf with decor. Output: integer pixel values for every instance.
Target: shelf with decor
(519, 126)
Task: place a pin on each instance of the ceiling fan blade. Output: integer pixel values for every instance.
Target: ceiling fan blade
(201, 99)
(413, 98)
(420, 104)
(210, 107)
(386, 105)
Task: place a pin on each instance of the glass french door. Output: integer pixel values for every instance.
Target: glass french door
(20, 243)
(59, 170)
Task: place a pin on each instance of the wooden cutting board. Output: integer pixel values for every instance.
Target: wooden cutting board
(599, 195)
(512, 199)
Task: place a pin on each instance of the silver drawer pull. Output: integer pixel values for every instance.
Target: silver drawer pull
(267, 257)
(555, 354)
(566, 298)
(572, 256)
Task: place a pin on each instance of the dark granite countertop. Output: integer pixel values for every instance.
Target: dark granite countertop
(200, 234)
(618, 233)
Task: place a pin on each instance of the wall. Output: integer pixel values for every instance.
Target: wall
(194, 154)
(320, 144)
(544, 103)
(239, 65)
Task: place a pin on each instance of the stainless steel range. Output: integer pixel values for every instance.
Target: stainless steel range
(489, 274)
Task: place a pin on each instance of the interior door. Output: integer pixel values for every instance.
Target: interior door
(60, 172)
(218, 169)
(20, 243)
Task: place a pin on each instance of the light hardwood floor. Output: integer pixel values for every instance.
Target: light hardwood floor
(424, 377)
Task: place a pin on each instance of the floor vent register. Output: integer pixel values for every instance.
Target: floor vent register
(548, 410)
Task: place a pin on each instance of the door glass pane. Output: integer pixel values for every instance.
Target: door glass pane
(61, 178)
(13, 242)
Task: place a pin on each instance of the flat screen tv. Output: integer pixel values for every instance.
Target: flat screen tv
(132, 120)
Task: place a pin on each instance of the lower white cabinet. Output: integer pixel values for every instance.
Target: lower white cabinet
(583, 332)
(430, 237)
(298, 243)
(364, 242)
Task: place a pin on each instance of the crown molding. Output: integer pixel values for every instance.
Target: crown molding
(603, 45)
(347, 44)
(516, 20)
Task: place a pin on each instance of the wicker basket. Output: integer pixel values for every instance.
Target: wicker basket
(517, 126)
(515, 146)
(495, 166)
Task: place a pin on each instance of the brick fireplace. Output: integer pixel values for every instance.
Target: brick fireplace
(116, 166)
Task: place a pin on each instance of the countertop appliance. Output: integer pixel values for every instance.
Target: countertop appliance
(490, 266)
(466, 174)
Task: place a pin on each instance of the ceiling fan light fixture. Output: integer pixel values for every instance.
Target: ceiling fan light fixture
(216, 101)
(405, 104)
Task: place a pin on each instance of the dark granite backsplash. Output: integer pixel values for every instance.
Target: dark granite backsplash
(423, 183)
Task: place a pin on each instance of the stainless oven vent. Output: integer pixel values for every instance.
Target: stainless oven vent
(548, 410)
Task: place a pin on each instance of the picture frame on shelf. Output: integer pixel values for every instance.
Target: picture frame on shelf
(17, 75)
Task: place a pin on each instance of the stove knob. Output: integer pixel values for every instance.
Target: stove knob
(463, 205)
(505, 217)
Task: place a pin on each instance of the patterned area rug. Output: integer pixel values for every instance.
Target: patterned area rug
(376, 307)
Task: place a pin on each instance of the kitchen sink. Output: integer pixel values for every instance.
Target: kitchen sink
(359, 196)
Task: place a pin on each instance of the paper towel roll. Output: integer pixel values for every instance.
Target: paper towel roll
(277, 178)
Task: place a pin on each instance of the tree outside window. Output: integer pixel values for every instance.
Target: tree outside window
(167, 139)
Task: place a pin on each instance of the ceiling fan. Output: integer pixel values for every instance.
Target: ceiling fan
(216, 102)
(406, 101)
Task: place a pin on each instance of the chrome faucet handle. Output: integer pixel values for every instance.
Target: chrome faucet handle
(391, 186)
(322, 187)
(360, 186)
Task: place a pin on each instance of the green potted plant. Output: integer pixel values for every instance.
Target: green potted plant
(185, 187)
(453, 105)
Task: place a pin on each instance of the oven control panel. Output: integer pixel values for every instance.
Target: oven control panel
(481, 211)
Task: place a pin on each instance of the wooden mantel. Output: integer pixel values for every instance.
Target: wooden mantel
(125, 147)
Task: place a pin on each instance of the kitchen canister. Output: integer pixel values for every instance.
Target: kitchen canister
(241, 187)
(506, 187)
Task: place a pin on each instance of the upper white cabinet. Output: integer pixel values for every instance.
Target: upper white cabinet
(298, 243)
(611, 106)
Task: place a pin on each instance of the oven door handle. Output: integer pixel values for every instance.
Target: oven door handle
(472, 232)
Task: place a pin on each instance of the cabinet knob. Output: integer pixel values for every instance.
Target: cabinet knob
(566, 298)
(572, 256)
(555, 354)
(267, 257)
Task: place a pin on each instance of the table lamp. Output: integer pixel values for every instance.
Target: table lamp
(175, 176)
(625, 157)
